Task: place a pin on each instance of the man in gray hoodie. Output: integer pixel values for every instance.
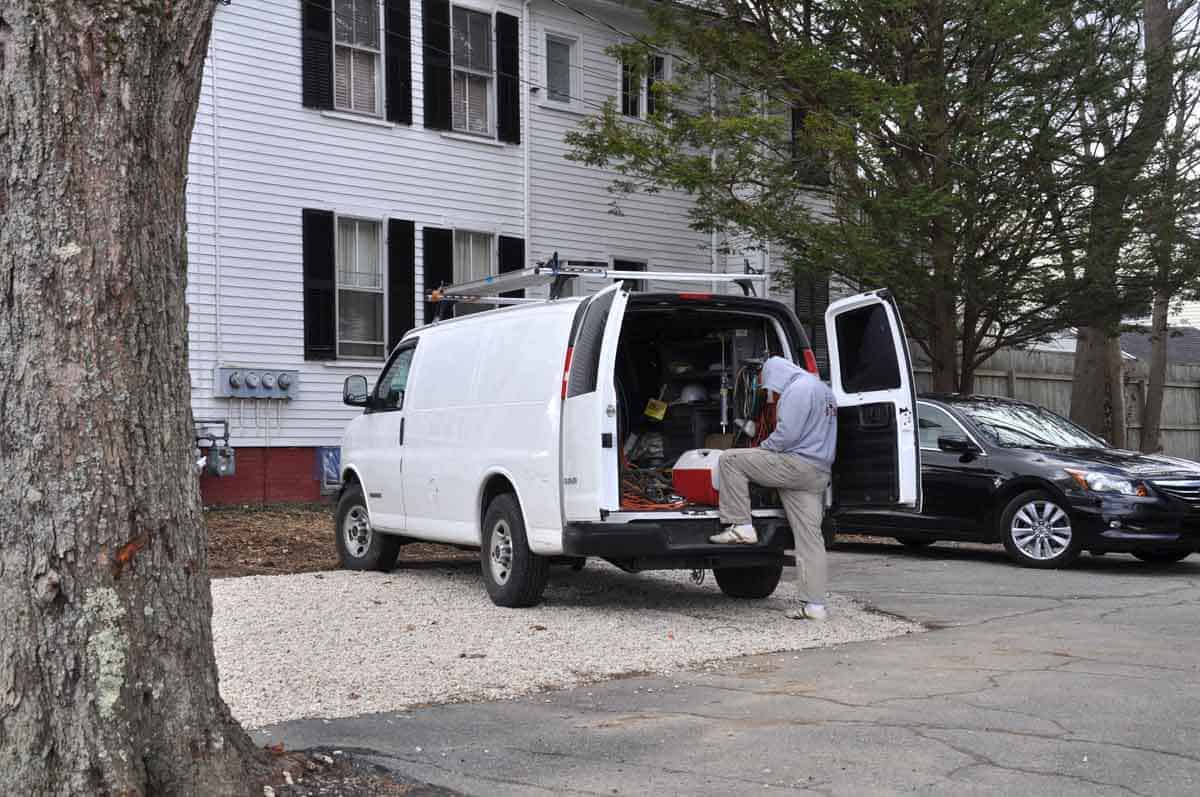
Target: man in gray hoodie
(796, 460)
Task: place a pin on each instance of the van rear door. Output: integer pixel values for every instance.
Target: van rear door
(878, 461)
(590, 470)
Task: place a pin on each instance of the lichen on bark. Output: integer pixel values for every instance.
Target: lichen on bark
(106, 645)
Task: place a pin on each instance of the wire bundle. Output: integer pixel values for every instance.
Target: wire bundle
(648, 489)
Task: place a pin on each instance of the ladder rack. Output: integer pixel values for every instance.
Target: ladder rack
(557, 274)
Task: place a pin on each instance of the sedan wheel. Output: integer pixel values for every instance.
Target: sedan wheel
(1037, 531)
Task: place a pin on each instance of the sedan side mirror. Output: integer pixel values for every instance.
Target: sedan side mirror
(956, 443)
(355, 392)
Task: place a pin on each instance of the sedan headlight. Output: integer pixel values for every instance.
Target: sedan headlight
(1098, 482)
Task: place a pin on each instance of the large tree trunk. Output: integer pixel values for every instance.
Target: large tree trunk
(1152, 411)
(1097, 390)
(1097, 354)
(108, 683)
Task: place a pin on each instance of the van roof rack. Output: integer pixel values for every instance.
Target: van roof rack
(558, 273)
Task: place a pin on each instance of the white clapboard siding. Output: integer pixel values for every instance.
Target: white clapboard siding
(275, 158)
(570, 202)
(259, 157)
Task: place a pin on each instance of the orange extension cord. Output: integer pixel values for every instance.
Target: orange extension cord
(633, 498)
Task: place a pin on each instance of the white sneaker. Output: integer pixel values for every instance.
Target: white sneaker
(808, 611)
(741, 534)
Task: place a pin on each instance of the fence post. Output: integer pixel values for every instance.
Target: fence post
(1012, 382)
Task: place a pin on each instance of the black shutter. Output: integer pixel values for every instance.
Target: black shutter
(436, 55)
(398, 60)
(402, 279)
(508, 78)
(316, 59)
(512, 258)
(438, 257)
(320, 324)
(812, 299)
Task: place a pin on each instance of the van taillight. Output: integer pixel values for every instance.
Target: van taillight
(700, 296)
(810, 361)
(567, 371)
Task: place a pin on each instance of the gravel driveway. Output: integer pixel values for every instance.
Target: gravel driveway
(340, 643)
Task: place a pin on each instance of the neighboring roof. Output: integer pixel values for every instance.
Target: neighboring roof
(1064, 343)
(1183, 345)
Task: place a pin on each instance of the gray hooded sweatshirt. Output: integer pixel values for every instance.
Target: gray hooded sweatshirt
(806, 418)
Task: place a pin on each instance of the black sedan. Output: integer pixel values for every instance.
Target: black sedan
(998, 470)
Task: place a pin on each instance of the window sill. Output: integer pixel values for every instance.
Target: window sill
(362, 119)
(572, 108)
(350, 365)
(484, 140)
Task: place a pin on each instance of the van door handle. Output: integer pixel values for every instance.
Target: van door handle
(401, 440)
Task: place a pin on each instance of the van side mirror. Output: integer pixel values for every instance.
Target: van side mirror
(956, 443)
(355, 392)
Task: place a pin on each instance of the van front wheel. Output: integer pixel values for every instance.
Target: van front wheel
(514, 575)
(360, 547)
(748, 582)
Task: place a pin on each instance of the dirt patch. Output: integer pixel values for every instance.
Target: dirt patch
(291, 538)
(337, 773)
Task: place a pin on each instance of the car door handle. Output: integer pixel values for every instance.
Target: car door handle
(401, 440)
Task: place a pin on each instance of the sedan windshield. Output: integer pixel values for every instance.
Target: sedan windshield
(1024, 426)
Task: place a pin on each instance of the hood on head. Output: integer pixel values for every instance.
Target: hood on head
(778, 373)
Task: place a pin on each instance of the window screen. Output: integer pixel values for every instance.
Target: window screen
(866, 350)
(356, 56)
(558, 68)
(471, 34)
(631, 91)
(360, 289)
(472, 256)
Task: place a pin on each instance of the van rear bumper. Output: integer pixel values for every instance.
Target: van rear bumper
(676, 543)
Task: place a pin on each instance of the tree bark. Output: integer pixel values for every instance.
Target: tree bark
(1152, 411)
(108, 683)
(1097, 391)
(1098, 367)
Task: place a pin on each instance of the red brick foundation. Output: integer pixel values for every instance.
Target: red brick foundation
(265, 476)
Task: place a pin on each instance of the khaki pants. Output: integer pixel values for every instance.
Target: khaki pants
(801, 487)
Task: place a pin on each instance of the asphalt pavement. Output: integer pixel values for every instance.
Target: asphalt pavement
(1083, 681)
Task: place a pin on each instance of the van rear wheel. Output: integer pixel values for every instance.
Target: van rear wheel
(514, 575)
(748, 582)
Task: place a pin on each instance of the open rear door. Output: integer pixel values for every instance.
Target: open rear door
(878, 461)
(590, 470)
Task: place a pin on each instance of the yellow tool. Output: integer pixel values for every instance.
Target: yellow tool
(657, 408)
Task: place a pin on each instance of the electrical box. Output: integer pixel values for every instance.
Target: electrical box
(255, 383)
(219, 461)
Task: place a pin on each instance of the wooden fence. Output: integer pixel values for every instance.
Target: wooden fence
(1045, 378)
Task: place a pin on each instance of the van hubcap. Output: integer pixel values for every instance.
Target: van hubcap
(356, 532)
(500, 552)
(1041, 530)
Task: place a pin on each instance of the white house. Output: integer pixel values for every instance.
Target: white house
(349, 155)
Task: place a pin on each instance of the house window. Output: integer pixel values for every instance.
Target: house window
(359, 289)
(655, 72)
(471, 101)
(356, 56)
(474, 258)
(637, 96)
(560, 68)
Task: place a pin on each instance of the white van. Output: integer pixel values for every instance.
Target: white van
(512, 431)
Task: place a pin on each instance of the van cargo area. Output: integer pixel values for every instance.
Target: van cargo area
(687, 378)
